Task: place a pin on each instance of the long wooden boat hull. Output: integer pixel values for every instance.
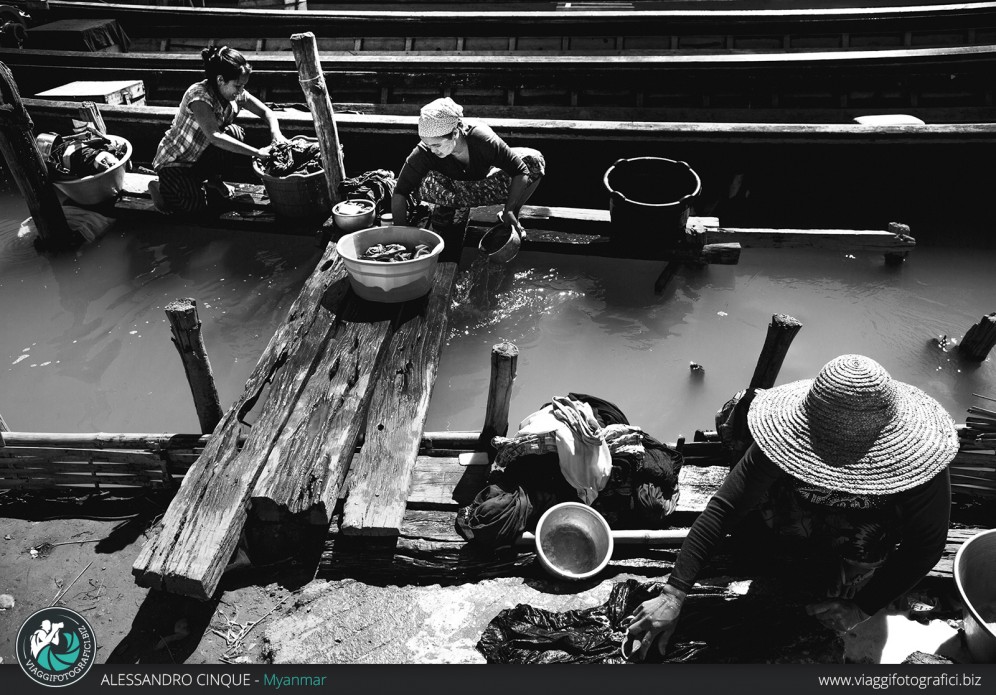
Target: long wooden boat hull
(846, 176)
(569, 28)
(938, 85)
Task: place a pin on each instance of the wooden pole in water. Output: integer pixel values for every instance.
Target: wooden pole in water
(897, 257)
(17, 145)
(312, 80)
(186, 328)
(504, 359)
(781, 332)
(979, 339)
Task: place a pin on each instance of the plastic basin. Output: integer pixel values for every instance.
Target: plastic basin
(390, 282)
(98, 188)
(573, 541)
(974, 571)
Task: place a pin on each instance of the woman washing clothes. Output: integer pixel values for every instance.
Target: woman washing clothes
(203, 141)
(458, 165)
(852, 460)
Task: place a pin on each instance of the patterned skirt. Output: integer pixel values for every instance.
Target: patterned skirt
(493, 189)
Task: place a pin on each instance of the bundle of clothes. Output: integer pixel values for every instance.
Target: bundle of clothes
(575, 448)
(297, 156)
(85, 154)
(392, 253)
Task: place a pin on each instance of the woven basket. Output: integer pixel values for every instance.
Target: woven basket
(302, 196)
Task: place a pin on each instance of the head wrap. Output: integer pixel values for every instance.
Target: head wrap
(438, 118)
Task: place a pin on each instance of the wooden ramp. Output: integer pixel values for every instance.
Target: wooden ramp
(307, 401)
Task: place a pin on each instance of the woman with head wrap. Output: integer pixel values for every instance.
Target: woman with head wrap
(459, 165)
(200, 144)
(852, 460)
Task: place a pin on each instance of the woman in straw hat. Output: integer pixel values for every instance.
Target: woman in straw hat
(852, 457)
(458, 165)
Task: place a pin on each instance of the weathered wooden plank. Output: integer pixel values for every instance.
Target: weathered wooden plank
(382, 471)
(202, 525)
(310, 459)
(33, 455)
(104, 440)
(696, 485)
(840, 239)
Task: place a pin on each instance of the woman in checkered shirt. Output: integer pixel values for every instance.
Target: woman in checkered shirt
(203, 140)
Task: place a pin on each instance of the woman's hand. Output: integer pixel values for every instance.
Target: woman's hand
(509, 218)
(654, 622)
(264, 152)
(279, 139)
(838, 615)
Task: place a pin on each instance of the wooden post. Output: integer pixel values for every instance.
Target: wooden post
(902, 231)
(731, 423)
(91, 114)
(17, 145)
(186, 328)
(979, 339)
(670, 270)
(312, 80)
(781, 333)
(504, 358)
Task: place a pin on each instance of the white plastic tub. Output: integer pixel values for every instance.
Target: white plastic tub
(390, 282)
(91, 190)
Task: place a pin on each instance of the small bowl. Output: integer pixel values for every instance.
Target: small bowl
(354, 215)
(573, 541)
(500, 244)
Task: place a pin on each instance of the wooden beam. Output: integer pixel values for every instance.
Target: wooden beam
(305, 469)
(879, 241)
(504, 358)
(185, 326)
(382, 471)
(781, 332)
(24, 161)
(201, 528)
(316, 93)
(979, 339)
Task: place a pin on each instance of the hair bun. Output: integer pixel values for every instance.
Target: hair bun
(211, 52)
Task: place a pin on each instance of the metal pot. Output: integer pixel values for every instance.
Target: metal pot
(46, 142)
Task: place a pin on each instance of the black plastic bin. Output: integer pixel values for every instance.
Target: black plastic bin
(650, 199)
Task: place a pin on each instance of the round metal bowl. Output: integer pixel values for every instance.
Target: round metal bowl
(573, 541)
(500, 244)
(974, 569)
(354, 215)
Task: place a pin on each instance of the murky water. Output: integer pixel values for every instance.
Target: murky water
(85, 345)
(595, 326)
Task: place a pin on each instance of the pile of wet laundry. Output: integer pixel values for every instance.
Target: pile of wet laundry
(299, 155)
(575, 448)
(77, 156)
(392, 253)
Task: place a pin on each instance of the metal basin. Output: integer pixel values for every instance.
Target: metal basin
(974, 573)
(573, 541)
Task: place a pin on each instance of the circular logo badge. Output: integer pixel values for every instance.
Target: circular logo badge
(56, 647)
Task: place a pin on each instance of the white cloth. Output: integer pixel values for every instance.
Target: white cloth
(88, 223)
(585, 461)
(439, 118)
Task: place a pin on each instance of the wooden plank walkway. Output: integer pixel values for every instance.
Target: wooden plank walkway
(307, 400)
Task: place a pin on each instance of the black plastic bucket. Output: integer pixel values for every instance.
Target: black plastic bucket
(649, 200)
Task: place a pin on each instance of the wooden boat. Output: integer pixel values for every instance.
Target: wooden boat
(951, 84)
(842, 175)
(565, 27)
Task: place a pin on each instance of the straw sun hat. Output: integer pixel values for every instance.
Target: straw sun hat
(854, 429)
